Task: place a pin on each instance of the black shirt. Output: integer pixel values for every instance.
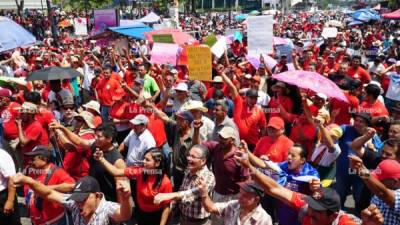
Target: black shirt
(106, 180)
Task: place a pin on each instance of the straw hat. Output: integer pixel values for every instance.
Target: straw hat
(87, 117)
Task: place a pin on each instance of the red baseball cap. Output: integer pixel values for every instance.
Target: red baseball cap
(276, 122)
(4, 92)
(387, 169)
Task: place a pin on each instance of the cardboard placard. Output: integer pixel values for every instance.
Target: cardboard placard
(163, 38)
(260, 35)
(164, 53)
(199, 62)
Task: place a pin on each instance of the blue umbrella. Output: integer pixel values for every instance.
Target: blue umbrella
(13, 35)
(365, 15)
(241, 17)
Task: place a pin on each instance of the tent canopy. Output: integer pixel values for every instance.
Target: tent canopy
(15, 35)
(392, 15)
(132, 31)
(150, 18)
(125, 23)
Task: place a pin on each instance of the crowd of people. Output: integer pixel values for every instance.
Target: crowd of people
(129, 141)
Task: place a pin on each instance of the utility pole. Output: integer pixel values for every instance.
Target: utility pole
(229, 12)
(52, 22)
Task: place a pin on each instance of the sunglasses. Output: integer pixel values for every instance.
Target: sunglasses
(69, 107)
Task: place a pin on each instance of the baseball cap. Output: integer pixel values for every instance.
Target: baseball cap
(4, 92)
(185, 115)
(39, 150)
(217, 79)
(227, 132)
(276, 122)
(252, 187)
(364, 115)
(252, 93)
(181, 87)
(326, 199)
(387, 169)
(83, 188)
(391, 60)
(322, 96)
(139, 119)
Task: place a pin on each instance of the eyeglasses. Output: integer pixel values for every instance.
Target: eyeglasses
(193, 157)
(68, 107)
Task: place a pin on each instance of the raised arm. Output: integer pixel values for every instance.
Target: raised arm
(230, 84)
(116, 172)
(358, 144)
(40, 189)
(74, 138)
(206, 201)
(124, 212)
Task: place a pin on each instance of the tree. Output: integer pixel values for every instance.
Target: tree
(393, 4)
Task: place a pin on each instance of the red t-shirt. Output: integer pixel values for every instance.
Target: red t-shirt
(344, 115)
(304, 134)
(129, 78)
(157, 129)
(38, 136)
(273, 105)
(76, 162)
(105, 89)
(277, 151)
(359, 74)
(249, 121)
(145, 191)
(377, 109)
(50, 210)
(297, 202)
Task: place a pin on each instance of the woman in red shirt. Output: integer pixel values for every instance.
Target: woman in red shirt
(151, 179)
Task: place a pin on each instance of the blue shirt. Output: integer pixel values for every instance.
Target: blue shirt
(349, 134)
(288, 215)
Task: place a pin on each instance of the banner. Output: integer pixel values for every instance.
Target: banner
(284, 50)
(164, 53)
(163, 38)
(199, 62)
(329, 32)
(104, 18)
(80, 26)
(219, 48)
(260, 35)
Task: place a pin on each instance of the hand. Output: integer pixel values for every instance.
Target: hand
(55, 125)
(123, 188)
(315, 184)
(201, 185)
(18, 121)
(244, 147)
(8, 207)
(242, 157)
(318, 122)
(356, 164)
(18, 179)
(370, 132)
(160, 197)
(98, 155)
(197, 124)
(123, 84)
(372, 216)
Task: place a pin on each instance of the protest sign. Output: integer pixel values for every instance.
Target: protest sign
(285, 50)
(121, 46)
(219, 48)
(199, 62)
(80, 26)
(164, 53)
(260, 35)
(210, 40)
(163, 38)
(104, 18)
(329, 32)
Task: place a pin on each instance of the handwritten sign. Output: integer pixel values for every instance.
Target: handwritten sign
(329, 32)
(199, 62)
(164, 53)
(163, 38)
(260, 35)
(219, 48)
(80, 26)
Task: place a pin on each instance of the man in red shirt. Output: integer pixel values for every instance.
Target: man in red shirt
(248, 116)
(30, 131)
(355, 71)
(104, 91)
(372, 105)
(43, 211)
(276, 145)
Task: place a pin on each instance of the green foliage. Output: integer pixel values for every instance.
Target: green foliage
(393, 4)
(80, 4)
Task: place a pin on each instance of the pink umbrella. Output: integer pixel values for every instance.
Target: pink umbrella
(312, 81)
(279, 41)
(179, 37)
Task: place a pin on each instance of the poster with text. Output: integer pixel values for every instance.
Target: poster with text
(260, 35)
(199, 62)
(104, 18)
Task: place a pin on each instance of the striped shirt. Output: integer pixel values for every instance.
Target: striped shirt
(102, 216)
(190, 205)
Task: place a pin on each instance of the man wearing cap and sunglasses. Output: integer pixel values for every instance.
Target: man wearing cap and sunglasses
(86, 204)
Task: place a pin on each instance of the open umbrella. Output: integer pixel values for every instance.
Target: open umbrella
(178, 36)
(13, 35)
(312, 81)
(53, 73)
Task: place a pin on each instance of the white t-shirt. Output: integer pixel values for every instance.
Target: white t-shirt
(137, 145)
(7, 169)
(327, 157)
(393, 91)
(64, 94)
